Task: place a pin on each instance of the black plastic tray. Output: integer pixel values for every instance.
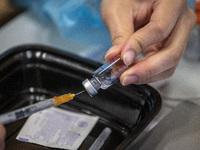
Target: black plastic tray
(32, 73)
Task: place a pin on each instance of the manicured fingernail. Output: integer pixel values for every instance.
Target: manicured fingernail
(129, 57)
(129, 80)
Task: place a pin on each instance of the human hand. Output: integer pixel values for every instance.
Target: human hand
(159, 29)
(2, 136)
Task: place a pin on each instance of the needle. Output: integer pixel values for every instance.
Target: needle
(79, 93)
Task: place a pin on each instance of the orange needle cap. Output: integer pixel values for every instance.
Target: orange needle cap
(63, 98)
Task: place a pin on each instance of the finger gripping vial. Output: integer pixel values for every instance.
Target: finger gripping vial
(105, 76)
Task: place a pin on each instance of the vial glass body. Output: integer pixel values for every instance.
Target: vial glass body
(105, 76)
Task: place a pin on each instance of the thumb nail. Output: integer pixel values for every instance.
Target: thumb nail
(129, 57)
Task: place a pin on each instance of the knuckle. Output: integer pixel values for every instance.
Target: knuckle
(189, 17)
(169, 73)
(118, 37)
(138, 44)
(175, 57)
(192, 15)
(183, 2)
(160, 30)
(147, 74)
(105, 14)
(172, 70)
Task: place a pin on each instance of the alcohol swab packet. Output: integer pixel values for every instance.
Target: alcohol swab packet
(57, 128)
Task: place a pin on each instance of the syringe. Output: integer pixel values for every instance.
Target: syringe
(28, 110)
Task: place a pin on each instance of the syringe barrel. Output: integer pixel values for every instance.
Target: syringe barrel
(105, 76)
(25, 111)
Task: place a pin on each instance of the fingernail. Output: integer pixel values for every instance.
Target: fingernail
(129, 80)
(129, 57)
(111, 50)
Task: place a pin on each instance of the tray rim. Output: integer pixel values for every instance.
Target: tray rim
(126, 144)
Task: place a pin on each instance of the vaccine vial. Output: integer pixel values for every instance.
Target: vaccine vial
(105, 76)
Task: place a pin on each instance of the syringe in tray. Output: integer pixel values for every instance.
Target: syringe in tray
(28, 110)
